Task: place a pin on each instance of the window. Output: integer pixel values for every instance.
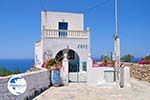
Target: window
(63, 27)
(84, 66)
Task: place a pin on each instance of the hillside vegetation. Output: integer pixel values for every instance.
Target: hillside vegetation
(6, 72)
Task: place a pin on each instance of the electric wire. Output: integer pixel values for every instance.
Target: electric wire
(97, 5)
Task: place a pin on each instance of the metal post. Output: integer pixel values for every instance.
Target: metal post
(116, 17)
(116, 44)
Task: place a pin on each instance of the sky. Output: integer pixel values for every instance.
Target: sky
(20, 22)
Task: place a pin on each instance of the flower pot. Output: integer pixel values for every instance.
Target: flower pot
(55, 77)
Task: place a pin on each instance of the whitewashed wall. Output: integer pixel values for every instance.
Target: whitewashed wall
(104, 76)
(75, 22)
(56, 45)
(36, 82)
(51, 19)
(95, 76)
(38, 54)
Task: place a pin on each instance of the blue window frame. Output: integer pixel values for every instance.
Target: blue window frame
(63, 27)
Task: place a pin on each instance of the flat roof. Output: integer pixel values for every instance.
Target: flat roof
(57, 12)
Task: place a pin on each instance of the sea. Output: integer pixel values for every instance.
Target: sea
(17, 64)
(24, 64)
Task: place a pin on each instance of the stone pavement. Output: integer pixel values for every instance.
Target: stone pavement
(80, 91)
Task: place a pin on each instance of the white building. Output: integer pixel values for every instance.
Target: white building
(63, 33)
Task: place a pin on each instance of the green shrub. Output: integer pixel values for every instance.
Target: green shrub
(6, 72)
(127, 58)
(105, 58)
(50, 63)
(147, 59)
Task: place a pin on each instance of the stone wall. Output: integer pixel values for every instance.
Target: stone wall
(36, 82)
(141, 72)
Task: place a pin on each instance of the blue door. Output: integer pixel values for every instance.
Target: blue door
(63, 27)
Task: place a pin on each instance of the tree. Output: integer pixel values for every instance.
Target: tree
(127, 58)
(147, 59)
(105, 58)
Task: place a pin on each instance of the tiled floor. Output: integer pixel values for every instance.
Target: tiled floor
(80, 91)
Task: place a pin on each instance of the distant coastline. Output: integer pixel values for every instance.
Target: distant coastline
(135, 59)
(16, 64)
(24, 64)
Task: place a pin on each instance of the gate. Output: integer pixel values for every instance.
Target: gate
(75, 76)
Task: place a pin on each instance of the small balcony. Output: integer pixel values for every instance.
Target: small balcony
(49, 33)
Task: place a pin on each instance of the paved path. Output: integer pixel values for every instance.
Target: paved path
(80, 91)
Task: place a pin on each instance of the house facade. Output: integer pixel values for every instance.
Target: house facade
(63, 33)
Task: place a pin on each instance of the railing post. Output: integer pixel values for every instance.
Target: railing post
(65, 70)
(89, 67)
(125, 77)
(70, 33)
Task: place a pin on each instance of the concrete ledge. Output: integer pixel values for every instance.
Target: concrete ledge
(36, 82)
(96, 76)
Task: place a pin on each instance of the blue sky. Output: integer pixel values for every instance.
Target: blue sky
(20, 25)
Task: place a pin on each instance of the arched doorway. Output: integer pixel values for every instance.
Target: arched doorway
(74, 62)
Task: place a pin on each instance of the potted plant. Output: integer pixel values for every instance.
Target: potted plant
(54, 67)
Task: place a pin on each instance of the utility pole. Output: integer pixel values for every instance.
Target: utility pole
(116, 44)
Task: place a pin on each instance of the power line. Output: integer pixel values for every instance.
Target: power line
(95, 6)
(43, 6)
